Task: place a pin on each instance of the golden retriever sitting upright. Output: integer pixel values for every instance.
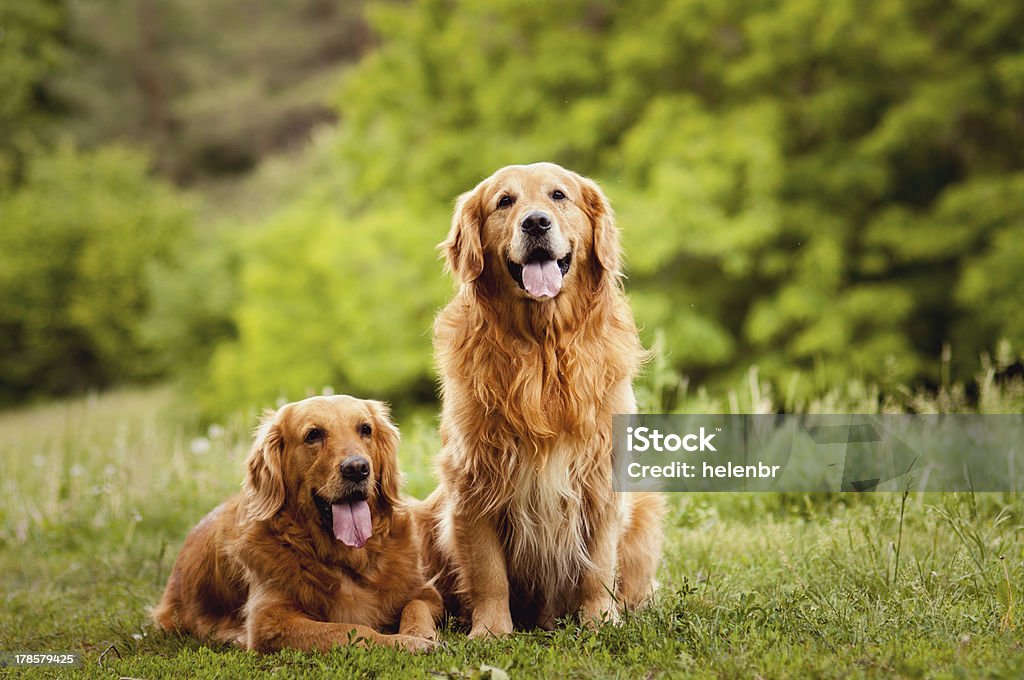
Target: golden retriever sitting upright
(317, 550)
(536, 352)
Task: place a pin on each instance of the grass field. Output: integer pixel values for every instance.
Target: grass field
(98, 494)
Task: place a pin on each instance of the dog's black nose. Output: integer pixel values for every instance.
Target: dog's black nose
(355, 468)
(536, 223)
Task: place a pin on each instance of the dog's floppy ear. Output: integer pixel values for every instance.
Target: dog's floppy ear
(386, 439)
(463, 250)
(606, 234)
(263, 489)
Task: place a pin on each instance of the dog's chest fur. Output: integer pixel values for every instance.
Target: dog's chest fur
(362, 604)
(543, 525)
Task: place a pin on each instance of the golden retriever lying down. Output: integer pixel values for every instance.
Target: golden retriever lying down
(536, 352)
(317, 550)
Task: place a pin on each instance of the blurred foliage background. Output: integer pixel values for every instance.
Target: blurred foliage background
(245, 196)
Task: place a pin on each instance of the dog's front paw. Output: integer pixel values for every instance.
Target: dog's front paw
(484, 631)
(596, 612)
(491, 619)
(494, 624)
(419, 632)
(411, 643)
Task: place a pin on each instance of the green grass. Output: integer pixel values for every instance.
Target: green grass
(98, 494)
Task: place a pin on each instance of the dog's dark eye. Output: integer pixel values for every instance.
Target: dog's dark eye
(557, 195)
(365, 430)
(505, 201)
(314, 435)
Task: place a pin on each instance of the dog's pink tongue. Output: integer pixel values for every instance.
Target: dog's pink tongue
(542, 279)
(351, 523)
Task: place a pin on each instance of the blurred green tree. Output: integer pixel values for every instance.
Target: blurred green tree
(207, 87)
(32, 44)
(78, 236)
(335, 302)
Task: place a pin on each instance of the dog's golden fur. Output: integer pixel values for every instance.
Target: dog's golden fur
(524, 523)
(263, 571)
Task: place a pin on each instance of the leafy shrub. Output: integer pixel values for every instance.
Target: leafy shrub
(30, 47)
(77, 238)
(332, 301)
